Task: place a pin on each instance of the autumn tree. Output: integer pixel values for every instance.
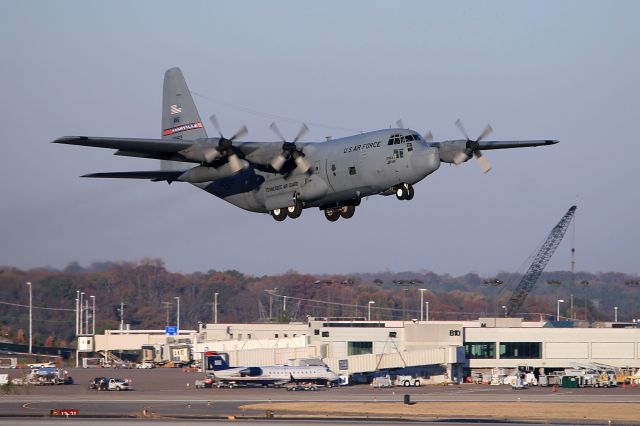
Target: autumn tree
(20, 336)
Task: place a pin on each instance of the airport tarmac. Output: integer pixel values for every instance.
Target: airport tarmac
(170, 393)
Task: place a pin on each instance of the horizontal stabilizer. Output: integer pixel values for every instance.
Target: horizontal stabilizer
(153, 175)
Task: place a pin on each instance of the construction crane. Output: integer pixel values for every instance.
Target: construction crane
(540, 261)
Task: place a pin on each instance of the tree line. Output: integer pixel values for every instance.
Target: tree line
(149, 290)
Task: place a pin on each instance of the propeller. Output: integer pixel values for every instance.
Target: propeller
(428, 137)
(473, 148)
(225, 147)
(290, 150)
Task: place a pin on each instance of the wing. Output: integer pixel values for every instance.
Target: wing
(515, 144)
(459, 151)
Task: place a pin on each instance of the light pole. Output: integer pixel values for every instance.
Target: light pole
(427, 303)
(178, 315)
(121, 316)
(558, 310)
(615, 314)
(93, 315)
(505, 310)
(81, 309)
(284, 304)
(30, 318)
(86, 316)
(422, 290)
(371, 302)
(77, 312)
(215, 307)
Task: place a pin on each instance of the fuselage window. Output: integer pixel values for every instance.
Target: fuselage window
(409, 146)
(352, 170)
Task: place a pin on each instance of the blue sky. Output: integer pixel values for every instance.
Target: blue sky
(534, 70)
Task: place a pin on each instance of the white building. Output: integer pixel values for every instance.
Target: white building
(430, 347)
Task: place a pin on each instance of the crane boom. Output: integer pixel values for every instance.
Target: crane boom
(549, 246)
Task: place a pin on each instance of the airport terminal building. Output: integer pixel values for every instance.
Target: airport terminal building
(442, 350)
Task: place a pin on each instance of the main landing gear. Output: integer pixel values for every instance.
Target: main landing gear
(333, 214)
(404, 192)
(293, 212)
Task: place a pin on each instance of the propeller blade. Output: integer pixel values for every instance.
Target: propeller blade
(243, 131)
(399, 124)
(486, 132)
(210, 154)
(484, 163)
(214, 121)
(234, 163)
(278, 162)
(303, 131)
(302, 163)
(460, 158)
(274, 129)
(428, 137)
(458, 124)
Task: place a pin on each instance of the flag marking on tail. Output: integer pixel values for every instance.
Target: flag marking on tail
(184, 127)
(175, 109)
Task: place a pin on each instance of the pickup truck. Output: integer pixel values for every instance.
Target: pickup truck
(112, 384)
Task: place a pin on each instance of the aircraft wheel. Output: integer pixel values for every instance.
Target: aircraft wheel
(410, 193)
(401, 192)
(294, 211)
(332, 215)
(347, 212)
(279, 214)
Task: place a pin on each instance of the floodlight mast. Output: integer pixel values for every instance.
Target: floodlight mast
(543, 256)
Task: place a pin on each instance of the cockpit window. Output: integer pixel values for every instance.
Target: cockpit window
(416, 137)
(396, 139)
(409, 138)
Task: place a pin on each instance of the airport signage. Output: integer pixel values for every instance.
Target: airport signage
(343, 364)
(171, 330)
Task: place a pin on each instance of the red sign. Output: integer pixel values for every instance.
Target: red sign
(71, 412)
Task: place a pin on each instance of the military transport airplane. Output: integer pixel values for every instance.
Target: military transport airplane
(283, 178)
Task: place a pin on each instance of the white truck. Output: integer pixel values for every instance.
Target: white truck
(119, 385)
(48, 376)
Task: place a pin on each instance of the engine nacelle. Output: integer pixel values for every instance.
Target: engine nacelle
(449, 149)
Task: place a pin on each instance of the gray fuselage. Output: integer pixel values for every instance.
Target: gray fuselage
(343, 171)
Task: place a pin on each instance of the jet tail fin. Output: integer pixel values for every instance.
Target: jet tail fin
(216, 362)
(180, 118)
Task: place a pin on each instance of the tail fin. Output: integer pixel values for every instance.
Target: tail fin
(180, 118)
(215, 362)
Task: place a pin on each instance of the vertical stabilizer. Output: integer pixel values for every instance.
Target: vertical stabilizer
(180, 118)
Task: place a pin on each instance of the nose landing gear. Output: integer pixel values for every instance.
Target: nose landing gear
(404, 192)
